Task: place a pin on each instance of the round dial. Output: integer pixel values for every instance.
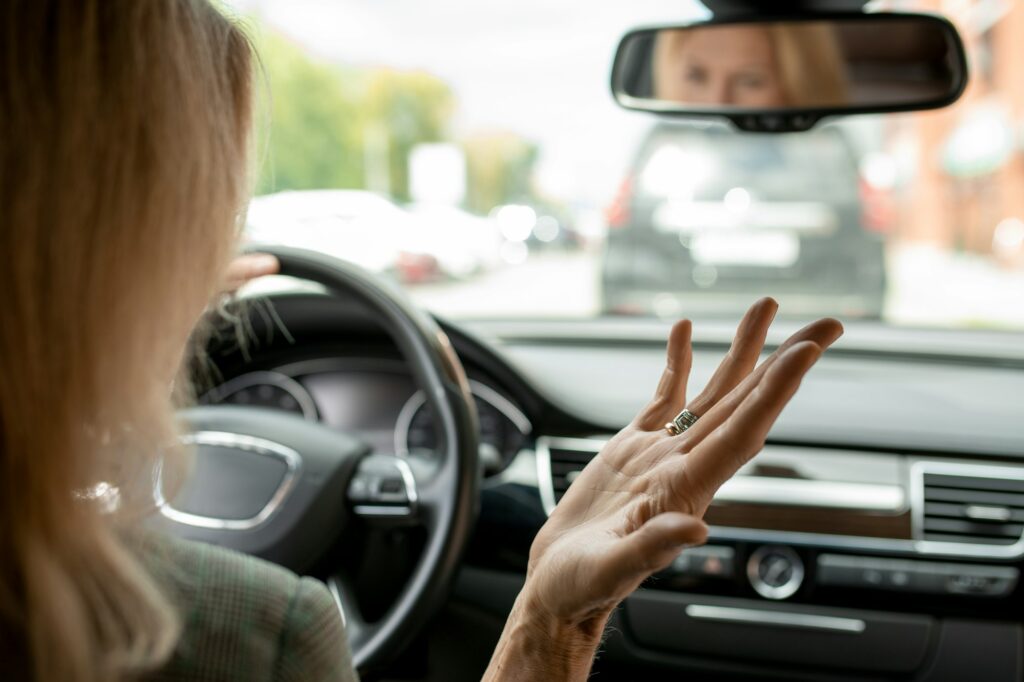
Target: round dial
(775, 572)
(503, 428)
(264, 389)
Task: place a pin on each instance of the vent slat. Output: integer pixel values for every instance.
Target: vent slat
(968, 539)
(975, 483)
(973, 497)
(560, 455)
(992, 529)
(972, 509)
(959, 511)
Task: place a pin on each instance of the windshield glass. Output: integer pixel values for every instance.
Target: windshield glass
(473, 153)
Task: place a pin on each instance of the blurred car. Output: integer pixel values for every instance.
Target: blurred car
(363, 227)
(706, 210)
(463, 244)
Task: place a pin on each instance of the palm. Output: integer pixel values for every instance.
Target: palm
(635, 505)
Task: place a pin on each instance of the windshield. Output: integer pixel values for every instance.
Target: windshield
(473, 153)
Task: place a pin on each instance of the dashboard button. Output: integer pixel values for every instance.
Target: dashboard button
(929, 577)
(775, 572)
(708, 561)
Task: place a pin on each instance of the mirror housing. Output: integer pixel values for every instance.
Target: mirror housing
(783, 74)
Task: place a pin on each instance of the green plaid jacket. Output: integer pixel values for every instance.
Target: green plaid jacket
(246, 619)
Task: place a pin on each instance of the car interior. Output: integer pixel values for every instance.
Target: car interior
(402, 433)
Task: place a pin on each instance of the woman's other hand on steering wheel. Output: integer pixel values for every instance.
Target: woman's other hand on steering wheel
(247, 267)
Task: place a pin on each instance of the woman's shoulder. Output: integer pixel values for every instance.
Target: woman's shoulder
(245, 618)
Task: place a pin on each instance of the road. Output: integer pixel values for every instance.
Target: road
(928, 287)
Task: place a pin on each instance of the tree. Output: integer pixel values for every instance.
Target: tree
(310, 126)
(498, 169)
(403, 109)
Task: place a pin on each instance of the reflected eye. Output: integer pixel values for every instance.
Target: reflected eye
(751, 81)
(696, 75)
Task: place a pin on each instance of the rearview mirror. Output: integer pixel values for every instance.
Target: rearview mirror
(783, 75)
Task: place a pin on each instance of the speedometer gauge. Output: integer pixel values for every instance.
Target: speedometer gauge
(264, 389)
(503, 427)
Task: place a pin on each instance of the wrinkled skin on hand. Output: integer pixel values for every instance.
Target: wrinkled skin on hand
(640, 501)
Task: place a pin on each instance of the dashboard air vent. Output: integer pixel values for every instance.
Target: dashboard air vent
(561, 460)
(971, 504)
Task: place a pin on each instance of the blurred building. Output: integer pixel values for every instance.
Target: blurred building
(963, 182)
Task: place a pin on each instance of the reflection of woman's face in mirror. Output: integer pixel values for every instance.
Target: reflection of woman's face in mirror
(726, 65)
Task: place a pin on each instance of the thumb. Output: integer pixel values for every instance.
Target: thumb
(653, 546)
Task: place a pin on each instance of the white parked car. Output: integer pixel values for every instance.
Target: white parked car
(363, 227)
(463, 244)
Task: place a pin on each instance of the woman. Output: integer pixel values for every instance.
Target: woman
(126, 129)
(784, 64)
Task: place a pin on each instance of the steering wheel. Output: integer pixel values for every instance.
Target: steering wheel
(289, 490)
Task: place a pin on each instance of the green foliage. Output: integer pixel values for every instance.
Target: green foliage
(325, 126)
(498, 170)
(314, 140)
(405, 109)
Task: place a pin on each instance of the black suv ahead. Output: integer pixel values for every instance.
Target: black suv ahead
(708, 217)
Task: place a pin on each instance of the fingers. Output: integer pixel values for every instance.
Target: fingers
(742, 356)
(248, 267)
(823, 333)
(742, 435)
(651, 548)
(670, 395)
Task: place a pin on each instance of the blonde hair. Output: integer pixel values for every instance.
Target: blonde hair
(124, 129)
(808, 57)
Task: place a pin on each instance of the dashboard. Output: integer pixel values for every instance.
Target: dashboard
(879, 535)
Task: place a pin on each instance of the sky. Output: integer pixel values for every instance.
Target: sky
(539, 68)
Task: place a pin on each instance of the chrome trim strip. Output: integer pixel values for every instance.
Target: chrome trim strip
(409, 480)
(250, 444)
(282, 381)
(381, 510)
(797, 492)
(404, 421)
(501, 404)
(332, 585)
(545, 482)
(917, 472)
(785, 619)
(478, 390)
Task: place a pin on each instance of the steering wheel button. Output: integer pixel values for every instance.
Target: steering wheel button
(391, 486)
(359, 489)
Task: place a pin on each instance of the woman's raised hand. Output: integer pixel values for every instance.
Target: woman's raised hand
(639, 502)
